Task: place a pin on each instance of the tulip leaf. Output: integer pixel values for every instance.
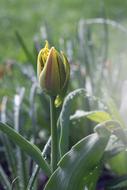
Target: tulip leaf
(65, 116)
(119, 160)
(79, 162)
(65, 119)
(96, 116)
(26, 146)
(90, 181)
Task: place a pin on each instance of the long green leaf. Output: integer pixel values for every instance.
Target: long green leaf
(79, 162)
(65, 119)
(96, 116)
(37, 168)
(26, 146)
(90, 181)
(65, 116)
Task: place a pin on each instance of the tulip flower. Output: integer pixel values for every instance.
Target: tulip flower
(53, 72)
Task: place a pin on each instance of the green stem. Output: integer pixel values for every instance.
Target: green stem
(54, 147)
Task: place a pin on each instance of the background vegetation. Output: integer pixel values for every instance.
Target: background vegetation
(61, 17)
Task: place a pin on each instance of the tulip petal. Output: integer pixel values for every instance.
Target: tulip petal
(49, 77)
(42, 57)
(67, 71)
(40, 63)
(61, 70)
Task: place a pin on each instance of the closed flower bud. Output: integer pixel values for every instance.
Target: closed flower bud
(53, 72)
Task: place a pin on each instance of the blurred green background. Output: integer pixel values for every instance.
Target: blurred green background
(61, 17)
(97, 54)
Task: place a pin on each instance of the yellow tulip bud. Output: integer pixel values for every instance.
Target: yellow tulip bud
(53, 72)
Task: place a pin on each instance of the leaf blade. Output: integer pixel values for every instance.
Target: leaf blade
(26, 146)
(79, 162)
(65, 119)
(96, 116)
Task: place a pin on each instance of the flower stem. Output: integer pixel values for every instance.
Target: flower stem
(54, 147)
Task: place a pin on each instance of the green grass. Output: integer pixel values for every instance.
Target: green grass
(61, 16)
